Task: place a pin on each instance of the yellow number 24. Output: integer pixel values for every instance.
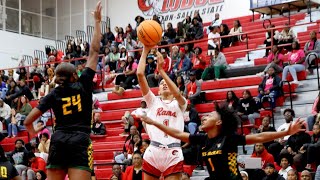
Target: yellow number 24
(68, 101)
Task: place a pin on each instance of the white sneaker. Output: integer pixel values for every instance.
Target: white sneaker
(297, 83)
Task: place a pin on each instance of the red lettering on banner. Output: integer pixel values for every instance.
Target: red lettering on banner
(200, 3)
(174, 5)
(165, 7)
(215, 1)
(186, 4)
(161, 112)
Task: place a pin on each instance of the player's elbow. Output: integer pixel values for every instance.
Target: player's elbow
(140, 73)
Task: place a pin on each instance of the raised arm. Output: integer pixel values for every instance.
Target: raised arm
(269, 136)
(183, 136)
(141, 71)
(172, 87)
(95, 43)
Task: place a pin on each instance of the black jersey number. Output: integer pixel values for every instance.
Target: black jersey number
(4, 172)
(71, 101)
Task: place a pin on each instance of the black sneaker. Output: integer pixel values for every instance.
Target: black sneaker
(199, 168)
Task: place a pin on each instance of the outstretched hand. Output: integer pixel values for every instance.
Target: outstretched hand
(160, 60)
(97, 12)
(296, 126)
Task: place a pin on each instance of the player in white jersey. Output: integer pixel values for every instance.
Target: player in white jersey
(164, 155)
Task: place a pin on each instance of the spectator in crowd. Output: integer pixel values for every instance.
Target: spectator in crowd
(275, 60)
(260, 151)
(129, 31)
(114, 58)
(70, 52)
(187, 22)
(271, 173)
(44, 143)
(279, 144)
(142, 110)
(156, 18)
(5, 114)
(151, 65)
(265, 127)
(9, 171)
(287, 36)
(188, 51)
(315, 111)
(36, 164)
(98, 128)
(119, 37)
(197, 16)
(25, 108)
(296, 63)
(86, 47)
(22, 73)
(244, 175)
(183, 64)
(108, 36)
(131, 45)
(312, 49)
(175, 55)
(231, 101)
(292, 175)
(3, 86)
(42, 129)
(272, 37)
(247, 108)
(306, 175)
(313, 148)
(192, 121)
(218, 65)
(123, 52)
(170, 33)
(40, 175)
(217, 21)
(197, 29)
(77, 54)
(135, 171)
(235, 31)
(193, 89)
(181, 33)
(139, 19)
(24, 90)
(116, 173)
(180, 84)
(131, 144)
(213, 39)
(285, 164)
(3, 76)
(198, 62)
(19, 156)
(270, 87)
(144, 145)
(224, 31)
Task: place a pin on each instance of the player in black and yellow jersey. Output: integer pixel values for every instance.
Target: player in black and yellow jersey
(219, 144)
(7, 170)
(70, 148)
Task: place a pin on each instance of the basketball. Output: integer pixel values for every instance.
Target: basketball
(149, 32)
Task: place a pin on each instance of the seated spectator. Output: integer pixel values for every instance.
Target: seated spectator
(260, 151)
(96, 105)
(231, 101)
(131, 45)
(275, 60)
(292, 175)
(24, 109)
(98, 128)
(5, 114)
(40, 175)
(170, 34)
(236, 30)
(12, 89)
(141, 111)
(197, 16)
(188, 51)
(126, 78)
(296, 63)
(287, 36)
(151, 65)
(224, 31)
(271, 87)
(70, 52)
(247, 108)
(108, 36)
(197, 29)
(24, 90)
(193, 89)
(130, 147)
(128, 122)
(129, 31)
(218, 65)
(180, 84)
(187, 23)
(181, 33)
(156, 18)
(9, 171)
(216, 22)
(3, 87)
(44, 143)
(214, 40)
(134, 171)
(269, 39)
(3, 75)
(265, 127)
(145, 144)
(114, 57)
(123, 52)
(41, 128)
(285, 164)
(198, 62)
(175, 55)
(244, 175)
(312, 49)
(36, 164)
(120, 37)
(310, 150)
(192, 119)
(183, 65)
(116, 173)
(271, 173)
(306, 175)
(19, 156)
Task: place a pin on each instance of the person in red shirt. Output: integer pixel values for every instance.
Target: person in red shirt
(37, 163)
(116, 173)
(155, 78)
(199, 63)
(260, 151)
(193, 89)
(134, 171)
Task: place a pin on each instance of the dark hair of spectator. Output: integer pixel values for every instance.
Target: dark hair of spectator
(234, 97)
(45, 135)
(146, 141)
(238, 22)
(43, 175)
(30, 155)
(180, 29)
(140, 142)
(137, 152)
(289, 110)
(297, 45)
(248, 92)
(18, 141)
(229, 119)
(188, 19)
(129, 64)
(225, 27)
(286, 156)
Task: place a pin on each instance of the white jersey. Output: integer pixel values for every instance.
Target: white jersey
(169, 114)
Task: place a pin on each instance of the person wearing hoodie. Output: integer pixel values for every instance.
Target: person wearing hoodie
(271, 173)
(193, 89)
(260, 151)
(36, 164)
(270, 86)
(19, 156)
(247, 107)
